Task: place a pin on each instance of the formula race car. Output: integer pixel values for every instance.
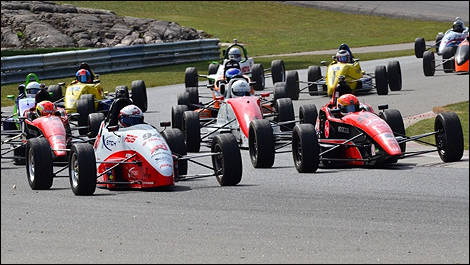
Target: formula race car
(365, 138)
(456, 63)
(349, 76)
(88, 97)
(255, 72)
(238, 109)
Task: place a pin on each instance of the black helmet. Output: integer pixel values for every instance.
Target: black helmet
(458, 26)
(122, 92)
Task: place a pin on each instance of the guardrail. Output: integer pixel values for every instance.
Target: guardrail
(106, 60)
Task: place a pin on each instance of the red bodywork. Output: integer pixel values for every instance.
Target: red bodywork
(53, 129)
(246, 109)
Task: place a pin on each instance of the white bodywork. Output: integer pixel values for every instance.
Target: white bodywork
(25, 104)
(245, 67)
(451, 36)
(141, 138)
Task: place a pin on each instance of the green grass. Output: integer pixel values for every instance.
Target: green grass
(427, 125)
(174, 74)
(268, 27)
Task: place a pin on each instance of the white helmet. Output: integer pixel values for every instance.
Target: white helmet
(32, 88)
(241, 88)
(130, 115)
(235, 54)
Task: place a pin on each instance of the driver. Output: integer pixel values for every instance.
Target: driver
(85, 66)
(343, 56)
(344, 46)
(231, 73)
(45, 108)
(240, 88)
(83, 76)
(458, 25)
(130, 115)
(347, 103)
(234, 54)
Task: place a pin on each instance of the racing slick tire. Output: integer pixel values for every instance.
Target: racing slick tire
(394, 119)
(183, 99)
(56, 92)
(305, 148)
(192, 131)
(313, 75)
(191, 77)
(174, 137)
(449, 136)
(381, 82)
(257, 75)
(85, 106)
(292, 83)
(94, 123)
(439, 37)
(82, 169)
(261, 143)
(394, 75)
(308, 114)
(177, 116)
(285, 112)
(39, 163)
(278, 71)
(212, 69)
(420, 47)
(139, 94)
(193, 94)
(280, 91)
(448, 64)
(228, 164)
(429, 63)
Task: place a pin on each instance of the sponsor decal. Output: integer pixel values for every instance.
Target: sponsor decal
(327, 128)
(165, 165)
(343, 129)
(158, 147)
(130, 138)
(133, 173)
(109, 143)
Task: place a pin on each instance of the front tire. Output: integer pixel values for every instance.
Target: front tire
(381, 80)
(305, 148)
(94, 123)
(174, 137)
(85, 106)
(420, 47)
(257, 75)
(56, 92)
(394, 75)
(192, 131)
(139, 94)
(313, 75)
(285, 112)
(429, 63)
(292, 83)
(191, 77)
(39, 169)
(82, 169)
(449, 139)
(308, 114)
(228, 164)
(278, 71)
(261, 144)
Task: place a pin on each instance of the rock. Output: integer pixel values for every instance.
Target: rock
(47, 24)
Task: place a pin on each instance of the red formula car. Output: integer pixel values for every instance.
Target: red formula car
(365, 138)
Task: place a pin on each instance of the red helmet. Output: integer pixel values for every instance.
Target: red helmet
(347, 103)
(130, 115)
(45, 107)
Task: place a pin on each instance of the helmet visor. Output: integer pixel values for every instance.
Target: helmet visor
(82, 78)
(131, 120)
(347, 109)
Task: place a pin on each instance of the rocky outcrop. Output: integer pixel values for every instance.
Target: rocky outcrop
(40, 24)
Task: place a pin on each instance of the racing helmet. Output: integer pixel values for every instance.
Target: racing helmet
(45, 107)
(130, 115)
(33, 88)
(83, 76)
(232, 72)
(241, 88)
(347, 103)
(458, 26)
(235, 54)
(343, 56)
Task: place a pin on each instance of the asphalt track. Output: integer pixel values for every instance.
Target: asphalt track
(414, 212)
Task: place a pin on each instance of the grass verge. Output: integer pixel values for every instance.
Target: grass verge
(427, 125)
(174, 74)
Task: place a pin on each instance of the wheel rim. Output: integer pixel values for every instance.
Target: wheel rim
(31, 165)
(441, 141)
(218, 162)
(253, 148)
(297, 151)
(74, 170)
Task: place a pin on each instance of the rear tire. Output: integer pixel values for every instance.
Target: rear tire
(82, 169)
(313, 75)
(278, 71)
(257, 75)
(420, 47)
(280, 91)
(39, 169)
(177, 116)
(94, 123)
(292, 83)
(139, 94)
(285, 112)
(381, 80)
(308, 114)
(261, 144)
(213, 68)
(429, 63)
(305, 148)
(449, 139)
(394, 75)
(174, 137)
(191, 77)
(192, 131)
(228, 165)
(85, 106)
(193, 95)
